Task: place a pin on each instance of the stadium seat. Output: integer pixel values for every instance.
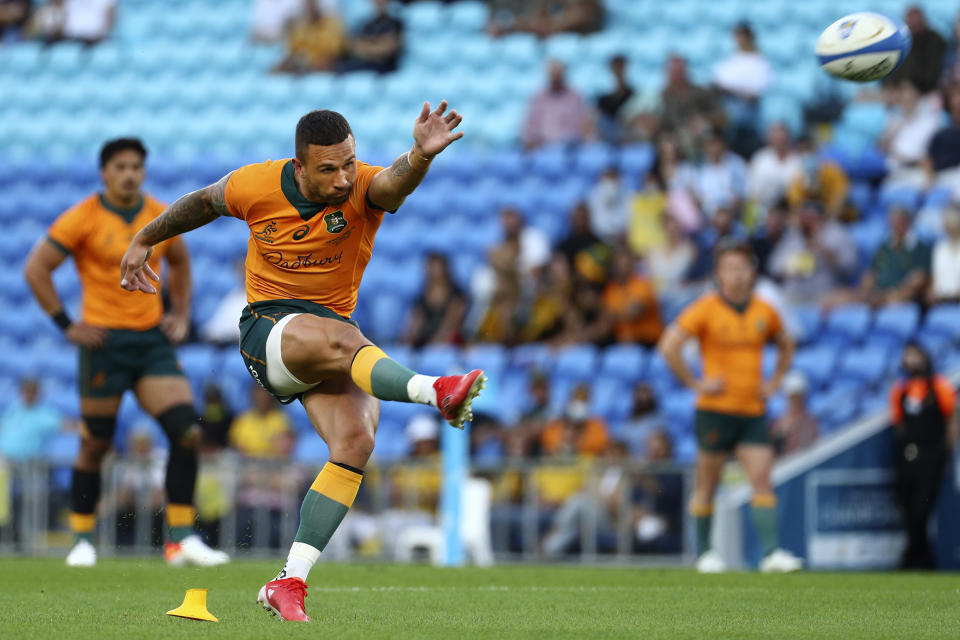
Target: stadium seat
(312, 450)
(848, 324)
(908, 198)
(944, 320)
(439, 360)
(868, 365)
(532, 357)
(897, 323)
(492, 358)
(817, 363)
(626, 362)
(578, 362)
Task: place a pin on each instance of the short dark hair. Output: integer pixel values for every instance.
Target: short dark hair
(111, 148)
(322, 127)
(734, 244)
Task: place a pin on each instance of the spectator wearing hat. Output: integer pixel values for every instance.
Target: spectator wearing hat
(796, 429)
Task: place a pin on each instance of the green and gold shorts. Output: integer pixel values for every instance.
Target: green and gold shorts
(717, 431)
(125, 357)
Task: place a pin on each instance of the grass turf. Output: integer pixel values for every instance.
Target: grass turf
(125, 598)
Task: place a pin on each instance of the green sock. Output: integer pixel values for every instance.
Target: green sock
(86, 536)
(177, 534)
(765, 522)
(380, 376)
(325, 505)
(703, 525)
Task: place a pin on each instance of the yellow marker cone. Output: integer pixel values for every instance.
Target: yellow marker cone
(194, 606)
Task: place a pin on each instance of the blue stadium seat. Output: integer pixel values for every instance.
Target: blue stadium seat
(387, 316)
(636, 161)
(311, 450)
(625, 362)
(810, 321)
(938, 198)
(817, 363)
(897, 323)
(468, 16)
(611, 399)
(848, 324)
(908, 198)
(532, 357)
(678, 408)
(944, 320)
(439, 360)
(62, 449)
(492, 358)
(577, 362)
(868, 365)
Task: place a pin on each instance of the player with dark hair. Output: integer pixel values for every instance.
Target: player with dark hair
(124, 342)
(312, 222)
(732, 326)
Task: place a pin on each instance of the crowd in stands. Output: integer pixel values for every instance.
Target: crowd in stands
(84, 21)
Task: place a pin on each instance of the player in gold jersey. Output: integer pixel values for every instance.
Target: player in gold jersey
(124, 342)
(312, 222)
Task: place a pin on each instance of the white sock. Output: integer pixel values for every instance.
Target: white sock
(300, 560)
(420, 389)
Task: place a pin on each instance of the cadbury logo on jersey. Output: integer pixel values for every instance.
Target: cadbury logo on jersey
(276, 258)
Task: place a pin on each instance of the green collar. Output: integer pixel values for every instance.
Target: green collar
(288, 184)
(739, 308)
(127, 214)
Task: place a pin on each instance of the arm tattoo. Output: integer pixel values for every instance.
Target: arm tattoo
(400, 167)
(189, 212)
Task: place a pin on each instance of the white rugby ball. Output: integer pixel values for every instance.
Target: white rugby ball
(863, 46)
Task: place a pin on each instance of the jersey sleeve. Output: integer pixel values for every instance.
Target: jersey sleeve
(244, 187)
(70, 230)
(775, 326)
(896, 409)
(362, 202)
(946, 396)
(693, 318)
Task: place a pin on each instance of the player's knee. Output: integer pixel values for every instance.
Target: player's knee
(354, 446)
(182, 426)
(92, 452)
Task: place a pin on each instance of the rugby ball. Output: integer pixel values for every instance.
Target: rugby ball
(863, 46)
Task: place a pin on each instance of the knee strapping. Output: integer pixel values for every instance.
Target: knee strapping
(182, 464)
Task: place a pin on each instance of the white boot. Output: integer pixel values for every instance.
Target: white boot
(711, 562)
(781, 561)
(83, 554)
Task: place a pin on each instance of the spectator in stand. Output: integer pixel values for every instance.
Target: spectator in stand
(924, 62)
(257, 432)
(773, 168)
(743, 77)
(723, 224)
(945, 286)
(545, 18)
(690, 111)
(216, 418)
(669, 263)
(815, 257)
(26, 426)
(271, 18)
(720, 178)
(557, 114)
(796, 429)
(644, 418)
(46, 22)
(523, 440)
(942, 164)
(821, 180)
(437, 315)
(951, 65)
(377, 45)
(610, 104)
(577, 432)
(609, 202)
(550, 305)
(88, 21)
(580, 237)
(658, 500)
(630, 303)
(315, 42)
(14, 15)
(908, 135)
(766, 238)
(900, 269)
(533, 245)
(923, 410)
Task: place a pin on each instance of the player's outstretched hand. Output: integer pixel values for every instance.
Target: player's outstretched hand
(433, 131)
(135, 270)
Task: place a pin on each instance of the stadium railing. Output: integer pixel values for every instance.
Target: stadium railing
(250, 507)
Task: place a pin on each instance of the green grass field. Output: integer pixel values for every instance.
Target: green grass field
(41, 598)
